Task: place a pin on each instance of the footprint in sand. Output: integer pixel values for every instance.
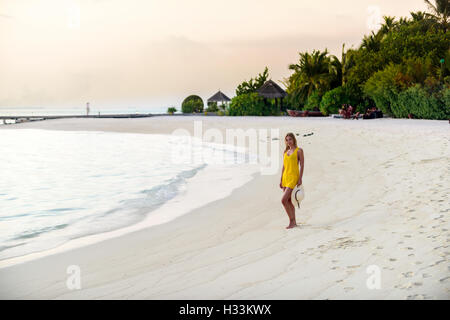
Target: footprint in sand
(444, 279)
(437, 262)
(347, 289)
(406, 286)
(408, 274)
(417, 297)
(392, 259)
(334, 268)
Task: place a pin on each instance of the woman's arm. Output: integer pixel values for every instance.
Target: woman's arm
(281, 179)
(301, 160)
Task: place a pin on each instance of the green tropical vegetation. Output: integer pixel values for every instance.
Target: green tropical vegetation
(313, 74)
(403, 69)
(248, 102)
(192, 104)
(216, 107)
(212, 107)
(253, 84)
(171, 110)
(251, 104)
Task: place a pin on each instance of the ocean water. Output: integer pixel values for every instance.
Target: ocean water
(61, 185)
(94, 110)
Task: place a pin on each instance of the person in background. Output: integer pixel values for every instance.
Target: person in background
(349, 112)
(343, 110)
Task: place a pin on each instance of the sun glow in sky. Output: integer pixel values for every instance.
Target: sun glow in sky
(153, 53)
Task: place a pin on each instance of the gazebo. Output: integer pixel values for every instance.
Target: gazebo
(219, 97)
(271, 90)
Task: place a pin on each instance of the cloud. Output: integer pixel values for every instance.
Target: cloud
(6, 16)
(164, 50)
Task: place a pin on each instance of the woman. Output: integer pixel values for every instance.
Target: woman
(291, 176)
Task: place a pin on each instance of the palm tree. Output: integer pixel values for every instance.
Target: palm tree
(418, 16)
(372, 42)
(253, 84)
(336, 69)
(423, 18)
(346, 63)
(388, 25)
(313, 73)
(440, 11)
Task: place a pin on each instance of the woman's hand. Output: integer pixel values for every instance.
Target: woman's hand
(281, 185)
(299, 183)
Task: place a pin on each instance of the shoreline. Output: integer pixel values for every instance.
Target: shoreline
(225, 178)
(373, 197)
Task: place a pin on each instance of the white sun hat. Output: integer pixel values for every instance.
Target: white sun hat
(298, 194)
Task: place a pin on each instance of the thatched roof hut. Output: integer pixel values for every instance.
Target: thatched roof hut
(219, 97)
(271, 90)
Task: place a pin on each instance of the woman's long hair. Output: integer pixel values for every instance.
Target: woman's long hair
(290, 134)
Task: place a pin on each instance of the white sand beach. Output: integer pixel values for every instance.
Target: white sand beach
(376, 195)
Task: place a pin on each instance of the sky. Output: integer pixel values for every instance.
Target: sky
(154, 53)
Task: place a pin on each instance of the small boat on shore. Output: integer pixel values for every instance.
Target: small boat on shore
(306, 113)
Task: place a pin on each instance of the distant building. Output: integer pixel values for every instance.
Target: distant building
(219, 97)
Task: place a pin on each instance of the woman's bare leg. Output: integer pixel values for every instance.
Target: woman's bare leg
(289, 207)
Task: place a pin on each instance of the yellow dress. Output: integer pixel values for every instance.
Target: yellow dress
(291, 171)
